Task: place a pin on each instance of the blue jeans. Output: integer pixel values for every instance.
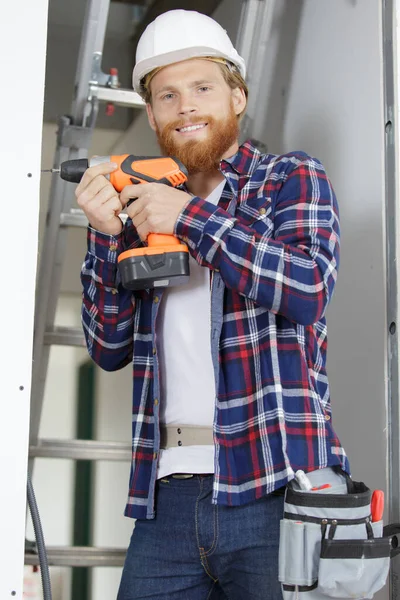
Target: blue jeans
(194, 550)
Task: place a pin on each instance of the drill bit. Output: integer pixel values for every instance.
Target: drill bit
(51, 170)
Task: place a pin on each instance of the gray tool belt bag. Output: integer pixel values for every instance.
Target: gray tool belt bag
(329, 546)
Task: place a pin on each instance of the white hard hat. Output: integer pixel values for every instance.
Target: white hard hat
(179, 35)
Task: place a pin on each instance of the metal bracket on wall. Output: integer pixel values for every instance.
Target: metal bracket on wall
(105, 88)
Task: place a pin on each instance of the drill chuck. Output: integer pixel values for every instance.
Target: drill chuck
(73, 170)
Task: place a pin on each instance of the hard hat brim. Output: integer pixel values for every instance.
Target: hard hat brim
(146, 66)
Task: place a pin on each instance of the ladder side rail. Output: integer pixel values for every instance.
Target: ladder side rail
(80, 556)
(50, 270)
(92, 42)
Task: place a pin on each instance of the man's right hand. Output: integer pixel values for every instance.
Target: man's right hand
(99, 200)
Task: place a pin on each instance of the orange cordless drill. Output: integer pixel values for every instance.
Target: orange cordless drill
(165, 260)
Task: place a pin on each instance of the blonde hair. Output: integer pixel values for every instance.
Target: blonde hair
(229, 72)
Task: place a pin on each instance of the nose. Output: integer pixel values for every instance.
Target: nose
(187, 106)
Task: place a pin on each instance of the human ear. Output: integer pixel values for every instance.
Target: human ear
(239, 100)
(150, 116)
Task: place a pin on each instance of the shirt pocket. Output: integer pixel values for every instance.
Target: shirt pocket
(256, 214)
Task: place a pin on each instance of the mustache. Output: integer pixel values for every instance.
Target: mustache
(179, 123)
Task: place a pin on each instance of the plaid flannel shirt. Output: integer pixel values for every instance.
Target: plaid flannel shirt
(272, 247)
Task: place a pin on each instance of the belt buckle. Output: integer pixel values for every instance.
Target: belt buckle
(182, 475)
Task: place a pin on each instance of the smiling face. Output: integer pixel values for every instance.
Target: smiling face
(194, 113)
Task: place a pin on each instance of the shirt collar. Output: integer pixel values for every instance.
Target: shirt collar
(244, 162)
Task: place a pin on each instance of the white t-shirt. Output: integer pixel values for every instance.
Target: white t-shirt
(186, 370)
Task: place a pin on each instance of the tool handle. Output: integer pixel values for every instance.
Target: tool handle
(160, 239)
(147, 169)
(377, 505)
(73, 170)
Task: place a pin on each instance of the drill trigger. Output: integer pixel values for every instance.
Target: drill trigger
(135, 182)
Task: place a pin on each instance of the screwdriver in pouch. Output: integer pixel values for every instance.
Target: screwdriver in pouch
(164, 261)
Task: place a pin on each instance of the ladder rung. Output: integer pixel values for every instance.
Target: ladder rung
(120, 96)
(79, 556)
(65, 336)
(82, 450)
(75, 218)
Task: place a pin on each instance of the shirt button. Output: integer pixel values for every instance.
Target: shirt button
(113, 247)
(327, 418)
(262, 211)
(156, 299)
(154, 455)
(114, 291)
(155, 401)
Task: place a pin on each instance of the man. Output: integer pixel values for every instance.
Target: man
(234, 361)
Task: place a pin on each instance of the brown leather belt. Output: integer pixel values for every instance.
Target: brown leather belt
(173, 436)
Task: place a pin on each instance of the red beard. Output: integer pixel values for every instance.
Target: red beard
(204, 155)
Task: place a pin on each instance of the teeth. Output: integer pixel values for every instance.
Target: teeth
(192, 128)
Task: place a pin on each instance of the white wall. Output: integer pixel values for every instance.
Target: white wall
(21, 128)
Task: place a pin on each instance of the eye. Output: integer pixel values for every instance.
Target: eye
(167, 96)
(204, 88)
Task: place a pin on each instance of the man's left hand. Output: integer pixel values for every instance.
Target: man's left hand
(156, 208)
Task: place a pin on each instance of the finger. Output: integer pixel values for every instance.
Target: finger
(108, 210)
(139, 220)
(131, 191)
(95, 186)
(103, 197)
(114, 204)
(136, 207)
(143, 231)
(92, 172)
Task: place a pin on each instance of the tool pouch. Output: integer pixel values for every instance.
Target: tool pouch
(330, 548)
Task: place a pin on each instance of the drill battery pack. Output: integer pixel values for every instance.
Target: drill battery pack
(163, 265)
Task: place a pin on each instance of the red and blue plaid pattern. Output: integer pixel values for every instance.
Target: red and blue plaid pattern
(272, 247)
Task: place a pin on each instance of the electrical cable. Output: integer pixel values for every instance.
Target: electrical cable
(37, 526)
